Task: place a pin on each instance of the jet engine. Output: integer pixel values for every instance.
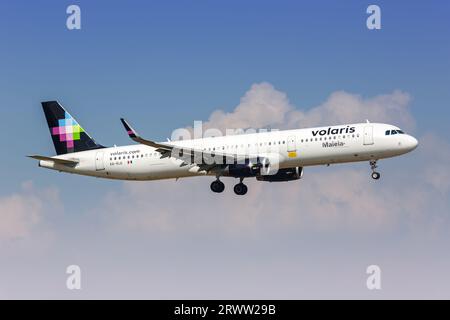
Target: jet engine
(283, 175)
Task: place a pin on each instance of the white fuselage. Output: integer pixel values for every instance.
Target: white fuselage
(293, 148)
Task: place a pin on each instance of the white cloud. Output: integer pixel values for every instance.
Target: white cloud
(343, 107)
(260, 107)
(21, 213)
(339, 197)
(265, 106)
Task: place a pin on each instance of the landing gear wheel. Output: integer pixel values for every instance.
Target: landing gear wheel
(217, 186)
(240, 189)
(376, 175)
(373, 166)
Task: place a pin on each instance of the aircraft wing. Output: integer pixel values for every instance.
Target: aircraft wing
(205, 160)
(55, 160)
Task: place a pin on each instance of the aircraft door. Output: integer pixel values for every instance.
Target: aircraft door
(368, 135)
(99, 164)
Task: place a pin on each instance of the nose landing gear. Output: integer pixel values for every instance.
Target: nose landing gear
(373, 165)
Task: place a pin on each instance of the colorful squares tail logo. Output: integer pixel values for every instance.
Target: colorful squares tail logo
(68, 130)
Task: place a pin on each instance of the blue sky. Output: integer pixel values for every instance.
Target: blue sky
(164, 64)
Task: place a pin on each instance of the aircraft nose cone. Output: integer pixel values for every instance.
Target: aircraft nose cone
(411, 143)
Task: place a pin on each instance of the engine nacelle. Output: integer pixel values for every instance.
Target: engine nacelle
(259, 166)
(283, 175)
(242, 170)
(270, 164)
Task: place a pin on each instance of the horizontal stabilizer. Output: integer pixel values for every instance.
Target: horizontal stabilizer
(55, 160)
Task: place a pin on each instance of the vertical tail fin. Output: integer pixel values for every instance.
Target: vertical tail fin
(68, 136)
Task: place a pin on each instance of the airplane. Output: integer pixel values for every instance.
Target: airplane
(274, 156)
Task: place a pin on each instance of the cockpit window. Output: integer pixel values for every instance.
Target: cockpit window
(392, 132)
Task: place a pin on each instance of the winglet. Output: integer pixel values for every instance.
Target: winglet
(135, 137)
(131, 132)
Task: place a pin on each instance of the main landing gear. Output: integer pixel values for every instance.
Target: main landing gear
(373, 165)
(240, 189)
(217, 186)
